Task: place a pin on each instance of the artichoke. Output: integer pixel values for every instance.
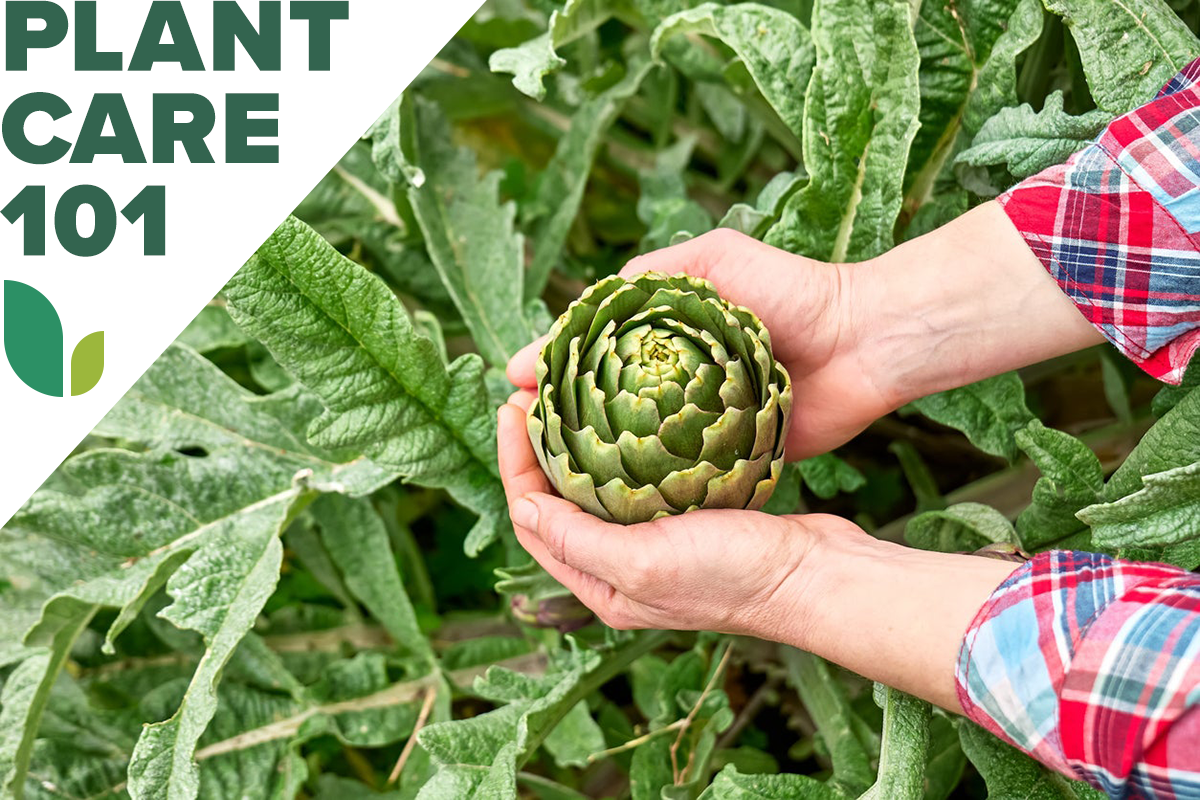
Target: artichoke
(656, 397)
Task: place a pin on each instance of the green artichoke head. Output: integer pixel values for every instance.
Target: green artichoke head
(656, 396)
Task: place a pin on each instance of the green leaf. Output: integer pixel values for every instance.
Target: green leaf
(1173, 442)
(555, 206)
(384, 387)
(1165, 511)
(531, 62)
(968, 56)
(184, 402)
(905, 748)
(961, 527)
(357, 541)
(664, 205)
(826, 701)
(860, 116)
(755, 220)
(733, 785)
(212, 329)
(826, 475)
(469, 234)
(218, 593)
(1010, 773)
(1169, 396)
(989, 412)
(1028, 141)
(33, 338)
(1129, 48)
(1064, 460)
(774, 46)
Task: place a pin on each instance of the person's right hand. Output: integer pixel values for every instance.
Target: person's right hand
(814, 331)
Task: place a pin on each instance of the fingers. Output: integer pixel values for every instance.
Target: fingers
(520, 366)
(520, 471)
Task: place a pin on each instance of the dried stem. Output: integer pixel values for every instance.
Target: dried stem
(426, 707)
(681, 775)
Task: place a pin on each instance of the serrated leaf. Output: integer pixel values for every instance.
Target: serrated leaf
(184, 402)
(469, 234)
(384, 387)
(860, 116)
(961, 527)
(774, 46)
(554, 207)
(357, 541)
(1165, 511)
(529, 63)
(1028, 141)
(1129, 48)
(989, 412)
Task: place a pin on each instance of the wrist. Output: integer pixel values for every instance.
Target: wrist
(888, 612)
(962, 303)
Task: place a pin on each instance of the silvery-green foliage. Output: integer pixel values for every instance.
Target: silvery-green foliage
(282, 564)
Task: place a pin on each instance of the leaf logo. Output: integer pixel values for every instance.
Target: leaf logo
(33, 342)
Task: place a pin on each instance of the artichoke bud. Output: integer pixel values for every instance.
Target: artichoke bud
(1003, 551)
(655, 397)
(563, 612)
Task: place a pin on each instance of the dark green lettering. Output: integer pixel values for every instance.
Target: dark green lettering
(264, 45)
(19, 40)
(13, 128)
(150, 50)
(240, 128)
(87, 57)
(92, 141)
(320, 13)
(168, 131)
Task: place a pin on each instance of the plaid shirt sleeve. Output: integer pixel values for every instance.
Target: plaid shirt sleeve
(1092, 665)
(1118, 226)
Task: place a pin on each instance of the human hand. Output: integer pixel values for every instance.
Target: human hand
(717, 569)
(816, 582)
(814, 331)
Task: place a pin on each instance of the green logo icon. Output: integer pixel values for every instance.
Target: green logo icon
(33, 342)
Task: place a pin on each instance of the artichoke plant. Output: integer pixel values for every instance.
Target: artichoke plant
(656, 396)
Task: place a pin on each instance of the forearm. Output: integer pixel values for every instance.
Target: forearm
(962, 303)
(908, 610)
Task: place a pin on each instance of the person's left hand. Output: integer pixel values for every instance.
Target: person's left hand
(721, 570)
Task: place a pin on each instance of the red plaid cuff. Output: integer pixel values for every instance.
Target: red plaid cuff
(1118, 226)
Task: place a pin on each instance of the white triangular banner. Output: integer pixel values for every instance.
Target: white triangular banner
(216, 214)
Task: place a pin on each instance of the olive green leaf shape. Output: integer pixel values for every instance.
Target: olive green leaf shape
(33, 338)
(87, 363)
(860, 116)
(904, 750)
(386, 391)
(655, 397)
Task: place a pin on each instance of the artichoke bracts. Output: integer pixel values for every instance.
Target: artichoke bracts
(655, 397)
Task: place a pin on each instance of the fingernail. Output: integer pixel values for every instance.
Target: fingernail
(525, 514)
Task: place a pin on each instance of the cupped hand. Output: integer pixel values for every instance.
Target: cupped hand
(815, 331)
(720, 570)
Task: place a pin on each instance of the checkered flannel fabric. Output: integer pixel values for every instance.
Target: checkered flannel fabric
(1092, 665)
(1118, 226)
